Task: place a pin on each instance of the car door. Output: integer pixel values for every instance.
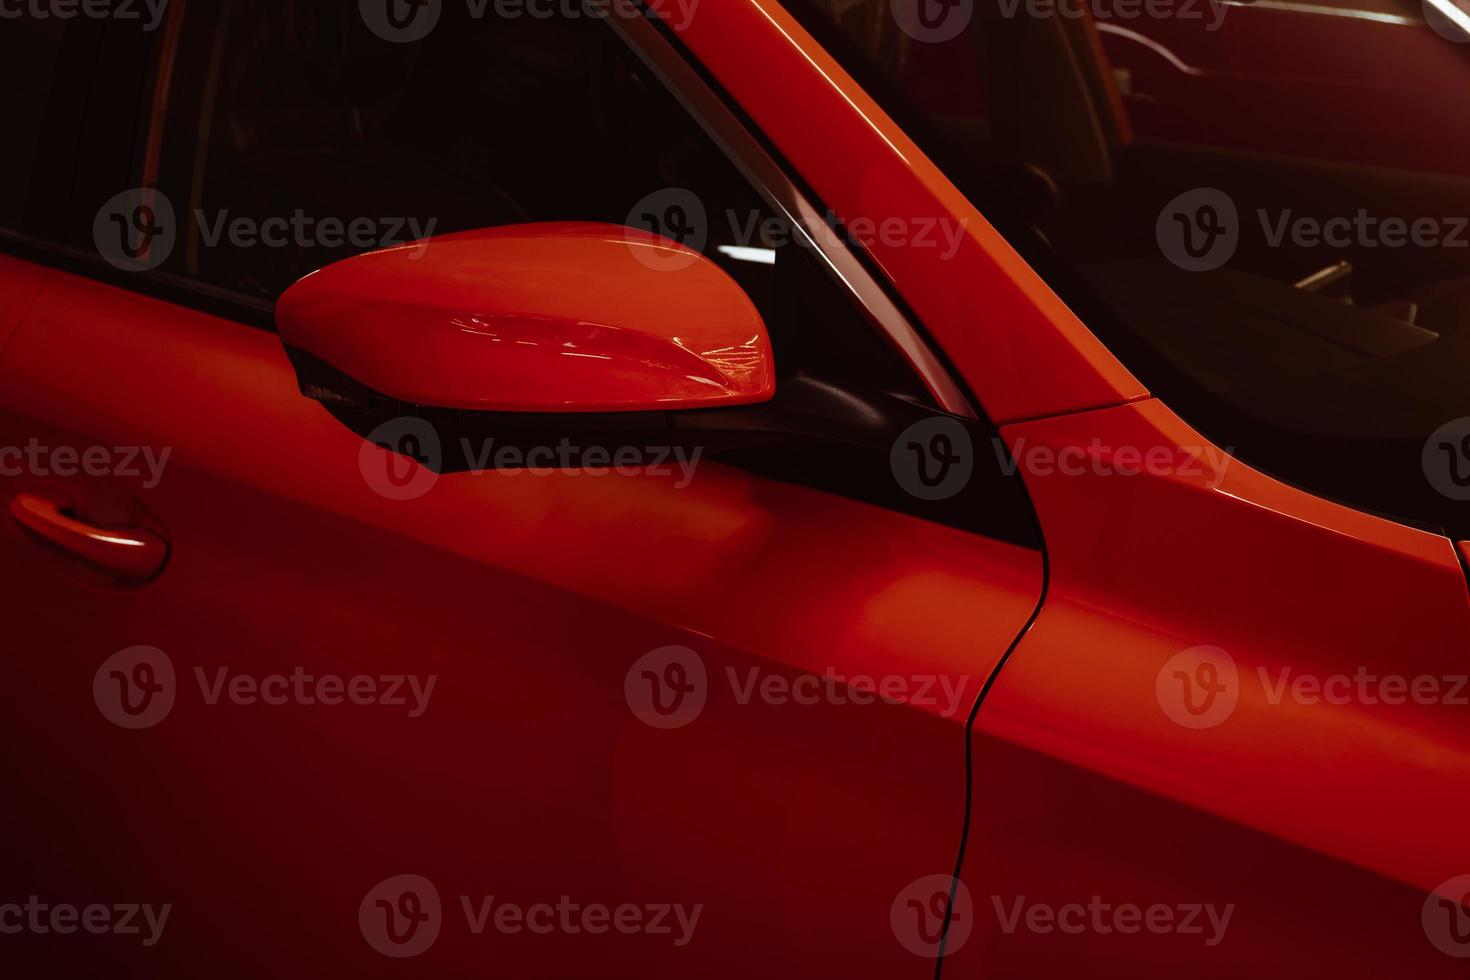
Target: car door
(1234, 740)
(1227, 744)
(284, 702)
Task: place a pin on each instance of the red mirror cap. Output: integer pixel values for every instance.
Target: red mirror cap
(558, 317)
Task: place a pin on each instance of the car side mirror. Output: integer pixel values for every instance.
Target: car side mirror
(538, 318)
(593, 335)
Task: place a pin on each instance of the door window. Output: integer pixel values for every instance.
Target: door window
(298, 135)
(30, 64)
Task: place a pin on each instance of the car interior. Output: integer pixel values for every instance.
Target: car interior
(1326, 367)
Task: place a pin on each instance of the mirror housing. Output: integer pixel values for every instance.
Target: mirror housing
(566, 317)
(598, 338)
(484, 350)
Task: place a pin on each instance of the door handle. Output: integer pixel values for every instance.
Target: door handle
(133, 554)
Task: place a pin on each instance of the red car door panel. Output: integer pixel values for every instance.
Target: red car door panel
(1227, 735)
(19, 284)
(528, 775)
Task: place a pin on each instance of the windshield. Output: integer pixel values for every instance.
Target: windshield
(1261, 207)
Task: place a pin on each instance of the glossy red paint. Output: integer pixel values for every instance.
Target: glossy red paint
(531, 598)
(20, 284)
(556, 317)
(1324, 816)
(1325, 827)
(131, 555)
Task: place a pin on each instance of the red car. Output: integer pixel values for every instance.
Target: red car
(716, 487)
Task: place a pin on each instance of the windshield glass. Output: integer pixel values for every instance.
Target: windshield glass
(1260, 207)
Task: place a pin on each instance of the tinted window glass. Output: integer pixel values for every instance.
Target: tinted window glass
(30, 55)
(295, 136)
(1262, 208)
